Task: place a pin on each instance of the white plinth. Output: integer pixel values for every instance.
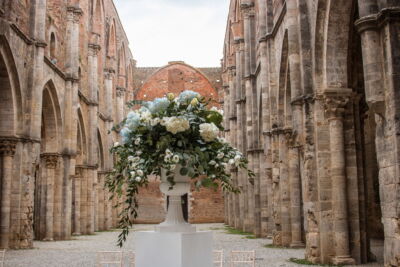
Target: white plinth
(164, 249)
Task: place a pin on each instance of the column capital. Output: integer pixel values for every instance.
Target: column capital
(247, 9)
(51, 159)
(7, 146)
(94, 49)
(121, 91)
(335, 102)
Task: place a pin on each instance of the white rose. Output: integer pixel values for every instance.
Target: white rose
(231, 161)
(116, 144)
(212, 162)
(175, 158)
(220, 155)
(139, 153)
(216, 165)
(176, 125)
(140, 172)
(133, 173)
(168, 152)
(155, 121)
(224, 165)
(138, 179)
(167, 158)
(208, 131)
(136, 159)
(238, 157)
(137, 141)
(130, 158)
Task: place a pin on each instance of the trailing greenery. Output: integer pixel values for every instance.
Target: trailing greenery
(166, 132)
(306, 262)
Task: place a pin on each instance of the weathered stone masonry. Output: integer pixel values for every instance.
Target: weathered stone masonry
(311, 98)
(65, 75)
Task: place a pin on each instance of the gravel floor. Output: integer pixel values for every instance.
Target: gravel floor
(81, 251)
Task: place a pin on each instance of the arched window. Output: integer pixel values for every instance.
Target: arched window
(52, 46)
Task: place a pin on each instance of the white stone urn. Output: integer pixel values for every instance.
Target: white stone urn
(174, 221)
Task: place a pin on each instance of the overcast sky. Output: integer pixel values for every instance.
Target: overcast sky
(168, 30)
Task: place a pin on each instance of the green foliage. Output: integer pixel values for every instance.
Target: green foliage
(234, 231)
(306, 262)
(162, 134)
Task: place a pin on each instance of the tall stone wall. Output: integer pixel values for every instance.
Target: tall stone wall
(310, 98)
(66, 72)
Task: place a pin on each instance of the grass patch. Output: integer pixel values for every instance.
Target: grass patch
(278, 247)
(306, 262)
(233, 231)
(215, 228)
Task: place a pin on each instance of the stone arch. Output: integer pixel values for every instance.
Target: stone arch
(10, 93)
(336, 43)
(284, 111)
(100, 151)
(53, 46)
(147, 92)
(98, 17)
(112, 41)
(51, 119)
(82, 149)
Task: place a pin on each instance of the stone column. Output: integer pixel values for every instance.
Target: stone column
(84, 200)
(335, 107)
(7, 151)
(120, 103)
(295, 190)
(276, 201)
(77, 203)
(51, 163)
(284, 188)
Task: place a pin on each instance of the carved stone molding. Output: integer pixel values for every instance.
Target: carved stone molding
(291, 138)
(376, 21)
(51, 159)
(7, 146)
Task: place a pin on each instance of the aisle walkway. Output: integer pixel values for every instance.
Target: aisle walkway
(81, 252)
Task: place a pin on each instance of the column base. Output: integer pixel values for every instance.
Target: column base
(75, 234)
(48, 239)
(343, 260)
(154, 249)
(297, 245)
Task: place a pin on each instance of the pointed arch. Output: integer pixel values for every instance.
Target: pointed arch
(100, 151)
(51, 119)
(10, 93)
(98, 17)
(284, 83)
(333, 26)
(82, 144)
(122, 60)
(112, 40)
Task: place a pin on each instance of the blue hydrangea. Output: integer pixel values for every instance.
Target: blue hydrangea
(125, 132)
(159, 105)
(187, 96)
(132, 120)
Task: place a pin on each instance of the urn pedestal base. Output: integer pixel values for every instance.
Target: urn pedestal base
(168, 249)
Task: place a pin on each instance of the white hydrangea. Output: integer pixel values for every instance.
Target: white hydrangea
(145, 116)
(175, 125)
(208, 131)
(220, 111)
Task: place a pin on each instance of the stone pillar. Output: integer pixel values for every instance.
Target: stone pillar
(120, 103)
(295, 191)
(77, 203)
(284, 188)
(51, 162)
(7, 151)
(276, 201)
(269, 184)
(335, 107)
(94, 49)
(84, 200)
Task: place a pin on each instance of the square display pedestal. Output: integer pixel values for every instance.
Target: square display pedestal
(165, 249)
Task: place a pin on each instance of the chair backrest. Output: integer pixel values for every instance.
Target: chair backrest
(243, 257)
(109, 259)
(218, 258)
(129, 258)
(2, 255)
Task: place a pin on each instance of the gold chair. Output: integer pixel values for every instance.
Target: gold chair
(240, 257)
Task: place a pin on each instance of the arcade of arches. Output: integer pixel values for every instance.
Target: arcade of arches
(311, 96)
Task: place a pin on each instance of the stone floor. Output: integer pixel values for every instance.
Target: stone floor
(81, 251)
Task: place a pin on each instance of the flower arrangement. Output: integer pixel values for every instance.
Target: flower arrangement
(166, 132)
